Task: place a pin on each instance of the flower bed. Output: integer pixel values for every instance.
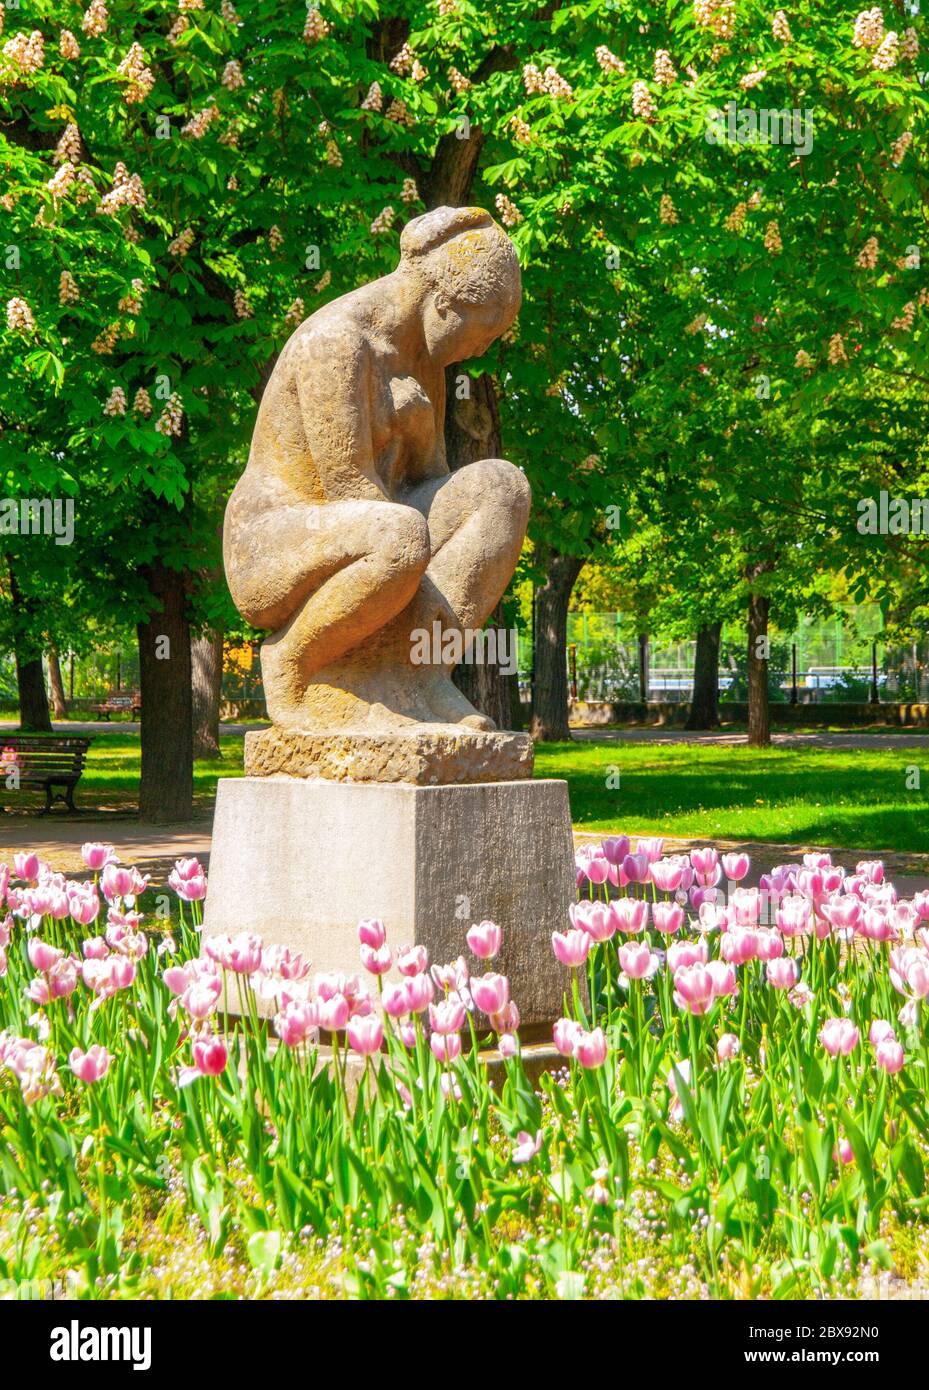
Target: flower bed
(740, 1112)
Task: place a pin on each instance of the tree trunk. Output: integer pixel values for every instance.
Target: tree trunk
(759, 719)
(166, 791)
(472, 432)
(704, 702)
(549, 641)
(34, 717)
(30, 678)
(643, 667)
(206, 660)
(59, 703)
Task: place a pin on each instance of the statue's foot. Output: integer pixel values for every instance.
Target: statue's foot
(450, 706)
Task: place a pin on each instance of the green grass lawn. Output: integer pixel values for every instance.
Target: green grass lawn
(851, 798)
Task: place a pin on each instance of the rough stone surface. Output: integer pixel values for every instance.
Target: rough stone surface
(302, 861)
(347, 536)
(425, 757)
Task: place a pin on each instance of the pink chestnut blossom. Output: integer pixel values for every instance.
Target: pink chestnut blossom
(571, 948)
(484, 939)
(91, 1065)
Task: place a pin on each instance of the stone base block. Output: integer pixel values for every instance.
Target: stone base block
(301, 861)
(424, 758)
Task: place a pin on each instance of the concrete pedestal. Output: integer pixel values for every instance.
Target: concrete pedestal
(301, 861)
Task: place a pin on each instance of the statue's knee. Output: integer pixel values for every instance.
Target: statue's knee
(403, 541)
(504, 483)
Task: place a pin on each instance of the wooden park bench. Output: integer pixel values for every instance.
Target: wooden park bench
(118, 702)
(48, 762)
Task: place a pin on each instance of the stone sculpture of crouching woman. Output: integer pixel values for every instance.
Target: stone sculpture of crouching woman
(347, 533)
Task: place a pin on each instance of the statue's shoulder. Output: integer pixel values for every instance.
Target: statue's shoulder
(336, 335)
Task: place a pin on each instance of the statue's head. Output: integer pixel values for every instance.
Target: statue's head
(468, 274)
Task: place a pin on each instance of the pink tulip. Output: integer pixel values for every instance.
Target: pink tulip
(615, 848)
(783, 973)
(484, 939)
(372, 932)
(448, 1016)
(333, 1013)
(595, 918)
(889, 1055)
(571, 948)
(693, 989)
(871, 869)
(636, 867)
(652, 848)
(770, 944)
(909, 971)
(839, 1036)
(420, 992)
(26, 866)
(365, 1035)
(508, 1045)
(630, 915)
(97, 856)
(394, 1000)
(42, 956)
(446, 1047)
(201, 998)
(637, 961)
(739, 945)
(210, 1056)
(746, 904)
(526, 1146)
(590, 1048)
(91, 1065)
(666, 874)
(921, 905)
(296, 1022)
(687, 953)
(377, 961)
(413, 960)
(842, 913)
(667, 917)
(565, 1034)
(713, 917)
(84, 906)
(725, 980)
(728, 1047)
(793, 915)
(490, 992)
(705, 861)
(843, 1152)
(736, 866)
(880, 1031)
(598, 868)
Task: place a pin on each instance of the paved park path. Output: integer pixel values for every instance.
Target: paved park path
(154, 848)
